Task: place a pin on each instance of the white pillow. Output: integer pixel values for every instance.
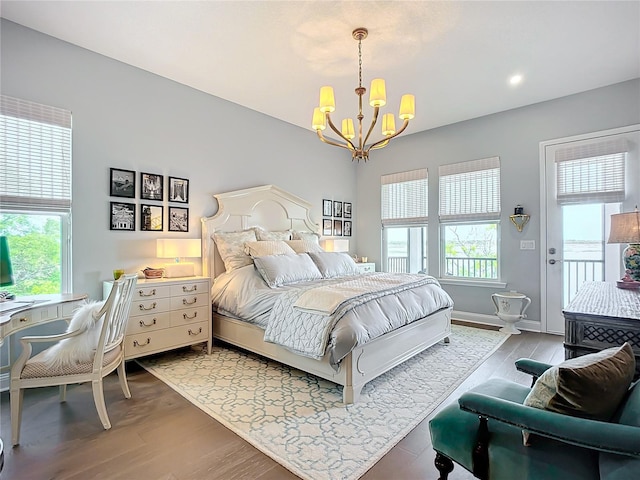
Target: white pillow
(231, 248)
(303, 246)
(263, 234)
(311, 236)
(279, 270)
(267, 247)
(334, 264)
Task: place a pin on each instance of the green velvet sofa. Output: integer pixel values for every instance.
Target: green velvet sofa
(483, 432)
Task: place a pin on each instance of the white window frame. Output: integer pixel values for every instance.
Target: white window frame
(457, 180)
(47, 188)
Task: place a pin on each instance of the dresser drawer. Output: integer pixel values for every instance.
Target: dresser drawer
(189, 301)
(189, 288)
(189, 315)
(165, 339)
(145, 323)
(147, 292)
(145, 307)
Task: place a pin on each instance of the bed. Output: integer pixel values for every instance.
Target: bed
(270, 209)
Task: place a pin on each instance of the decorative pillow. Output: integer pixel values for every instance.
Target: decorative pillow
(304, 246)
(263, 234)
(591, 386)
(81, 348)
(267, 247)
(231, 248)
(334, 264)
(311, 236)
(279, 270)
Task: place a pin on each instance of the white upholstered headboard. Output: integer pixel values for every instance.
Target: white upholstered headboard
(267, 206)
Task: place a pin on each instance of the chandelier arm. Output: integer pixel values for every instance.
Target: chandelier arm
(379, 143)
(349, 145)
(330, 142)
(374, 120)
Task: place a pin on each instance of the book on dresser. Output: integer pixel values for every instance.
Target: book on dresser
(167, 313)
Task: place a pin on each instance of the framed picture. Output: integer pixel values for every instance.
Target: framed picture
(151, 186)
(178, 219)
(122, 216)
(337, 228)
(123, 183)
(327, 227)
(337, 209)
(178, 190)
(346, 210)
(346, 228)
(151, 218)
(327, 208)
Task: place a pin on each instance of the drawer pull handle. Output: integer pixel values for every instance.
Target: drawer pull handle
(23, 319)
(194, 334)
(187, 289)
(153, 305)
(136, 344)
(187, 302)
(150, 294)
(187, 317)
(142, 324)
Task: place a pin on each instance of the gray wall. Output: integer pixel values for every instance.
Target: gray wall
(128, 118)
(514, 136)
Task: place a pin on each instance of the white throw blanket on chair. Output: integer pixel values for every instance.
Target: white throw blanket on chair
(81, 348)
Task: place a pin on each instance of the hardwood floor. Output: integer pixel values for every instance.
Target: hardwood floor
(157, 434)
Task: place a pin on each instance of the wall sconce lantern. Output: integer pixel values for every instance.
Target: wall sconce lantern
(519, 218)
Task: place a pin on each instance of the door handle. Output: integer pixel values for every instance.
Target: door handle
(553, 262)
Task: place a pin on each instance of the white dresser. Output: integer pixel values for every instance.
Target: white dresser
(167, 313)
(366, 267)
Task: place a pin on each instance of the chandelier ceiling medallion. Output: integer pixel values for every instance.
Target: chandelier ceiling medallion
(377, 99)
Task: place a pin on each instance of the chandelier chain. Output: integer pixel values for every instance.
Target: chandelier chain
(360, 63)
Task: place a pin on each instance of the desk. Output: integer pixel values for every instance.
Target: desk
(39, 309)
(601, 316)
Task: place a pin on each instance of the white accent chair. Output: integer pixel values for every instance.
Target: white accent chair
(33, 372)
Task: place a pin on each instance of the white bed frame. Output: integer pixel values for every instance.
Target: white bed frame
(275, 209)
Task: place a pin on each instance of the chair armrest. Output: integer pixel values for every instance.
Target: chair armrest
(596, 435)
(532, 367)
(26, 342)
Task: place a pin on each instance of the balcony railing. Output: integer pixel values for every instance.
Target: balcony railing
(578, 271)
(477, 267)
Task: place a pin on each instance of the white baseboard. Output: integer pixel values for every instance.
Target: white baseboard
(483, 319)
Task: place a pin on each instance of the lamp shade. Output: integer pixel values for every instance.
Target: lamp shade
(625, 228)
(6, 271)
(178, 248)
(335, 245)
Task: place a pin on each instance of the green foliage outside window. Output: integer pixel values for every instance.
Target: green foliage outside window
(34, 245)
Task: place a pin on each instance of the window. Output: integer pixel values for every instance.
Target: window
(470, 219)
(404, 221)
(35, 194)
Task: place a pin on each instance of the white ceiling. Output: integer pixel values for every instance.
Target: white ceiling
(273, 56)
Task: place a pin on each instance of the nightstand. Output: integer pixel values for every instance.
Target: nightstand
(366, 267)
(167, 313)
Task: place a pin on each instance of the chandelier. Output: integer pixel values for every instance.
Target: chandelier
(377, 99)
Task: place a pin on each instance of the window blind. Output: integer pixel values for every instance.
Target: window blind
(35, 156)
(470, 190)
(405, 198)
(591, 173)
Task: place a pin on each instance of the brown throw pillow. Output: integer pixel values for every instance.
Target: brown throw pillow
(591, 386)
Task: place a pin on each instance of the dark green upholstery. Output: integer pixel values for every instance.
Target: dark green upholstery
(562, 447)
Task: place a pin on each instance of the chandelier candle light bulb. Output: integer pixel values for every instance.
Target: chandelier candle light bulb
(377, 99)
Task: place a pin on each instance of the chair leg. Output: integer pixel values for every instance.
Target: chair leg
(480, 454)
(63, 393)
(98, 398)
(444, 466)
(122, 377)
(16, 414)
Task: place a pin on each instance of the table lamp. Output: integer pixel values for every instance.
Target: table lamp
(179, 249)
(335, 245)
(625, 228)
(6, 271)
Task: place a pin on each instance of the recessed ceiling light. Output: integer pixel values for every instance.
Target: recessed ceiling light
(515, 79)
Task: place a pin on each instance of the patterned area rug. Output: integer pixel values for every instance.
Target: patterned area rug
(300, 421)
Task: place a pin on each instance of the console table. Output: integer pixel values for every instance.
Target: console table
(602, 316)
